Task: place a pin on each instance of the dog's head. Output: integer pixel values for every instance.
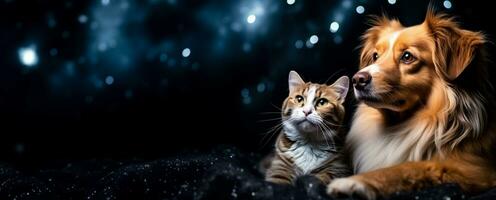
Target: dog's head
(398, 65)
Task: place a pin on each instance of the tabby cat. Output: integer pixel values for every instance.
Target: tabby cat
(310, 141)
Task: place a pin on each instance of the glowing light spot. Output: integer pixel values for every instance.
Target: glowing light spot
(163, 57)
(82, 19)
(236, 27)
(246, 47)
(245, 93)
(347, 3)
(391, 2)
(52, 22)
(290, 2)
(109, 80)
(251, 19)
(447, 4)
(314, 39)
(53, 52)
(334, 27)
(299, 44)
(28, 56)
(261, 87)
(338, 39)
(309, 44)
(247, 101)
(360, 9)
(105, 2)
(102, 47)
(186, 52)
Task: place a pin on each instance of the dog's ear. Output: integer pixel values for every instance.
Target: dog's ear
(454, 47)
(369, 39)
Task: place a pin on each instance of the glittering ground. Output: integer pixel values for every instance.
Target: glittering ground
(223, 173)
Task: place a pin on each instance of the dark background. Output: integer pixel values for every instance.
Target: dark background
(111, 80)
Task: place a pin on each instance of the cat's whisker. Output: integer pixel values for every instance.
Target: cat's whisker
(273, 131)
(330, 133)
(331, 123)
(323, 134)
(326, 128)
(271, 135)
(269, 113)
(277, 107)
(269, 120)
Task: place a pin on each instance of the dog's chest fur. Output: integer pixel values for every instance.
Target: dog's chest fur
(374, 146)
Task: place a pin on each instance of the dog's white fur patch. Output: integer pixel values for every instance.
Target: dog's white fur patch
(372, 69)
(350, 186)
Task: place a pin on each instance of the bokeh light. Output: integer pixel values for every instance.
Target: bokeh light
(447, 4)
(334, 27)
(314, 39)
(109, 80)
(186, 52)
(251, 19)
(28, 56)
(360, 9)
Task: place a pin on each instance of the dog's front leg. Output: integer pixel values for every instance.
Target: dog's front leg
(414, 175)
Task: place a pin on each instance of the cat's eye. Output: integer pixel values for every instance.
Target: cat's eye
(407, 57)
(322, 102)
(375, 56)
(299, 98)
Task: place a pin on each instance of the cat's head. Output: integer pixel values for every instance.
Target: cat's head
(314, 108)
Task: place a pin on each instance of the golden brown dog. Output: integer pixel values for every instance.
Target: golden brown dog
(426, 110)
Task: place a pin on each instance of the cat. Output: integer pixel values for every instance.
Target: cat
(310, 141)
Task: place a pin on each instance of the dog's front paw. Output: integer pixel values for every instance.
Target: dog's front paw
(350, 187)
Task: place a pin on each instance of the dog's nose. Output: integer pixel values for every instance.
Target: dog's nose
(361, 79)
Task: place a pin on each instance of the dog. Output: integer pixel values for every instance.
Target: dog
(425, 110)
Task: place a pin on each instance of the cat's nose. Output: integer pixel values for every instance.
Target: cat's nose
(307, 112)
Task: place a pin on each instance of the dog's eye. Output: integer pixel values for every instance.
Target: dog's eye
(299, 98)
(375, 56)
(407, 57)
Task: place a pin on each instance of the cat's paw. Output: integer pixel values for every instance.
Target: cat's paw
(350, 187)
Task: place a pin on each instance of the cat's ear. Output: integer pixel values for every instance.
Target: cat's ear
(294, 81)
(341, 87)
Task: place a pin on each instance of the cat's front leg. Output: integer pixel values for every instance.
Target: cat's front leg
(324, 178)
(280, 172)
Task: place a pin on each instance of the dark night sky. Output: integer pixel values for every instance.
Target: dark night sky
(113, 78)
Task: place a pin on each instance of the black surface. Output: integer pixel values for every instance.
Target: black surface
(223, 173)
